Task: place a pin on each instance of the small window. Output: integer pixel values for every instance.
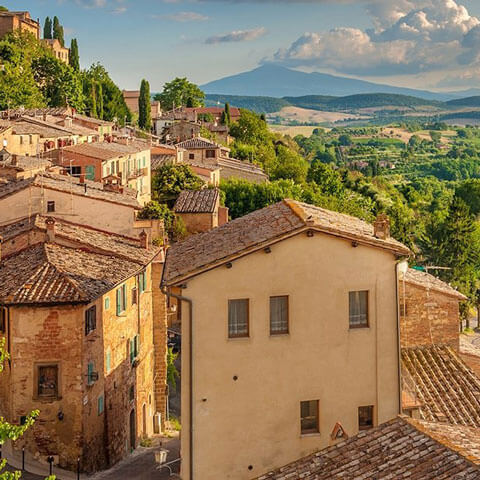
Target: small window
(107, 303)
(358, 309)
(142, 281)
(100, 404)
(121, 299)
(238, 311)
(134, 295)
(365, 417)
(90, 319)
(191, 156)
(92, 376)
(23, 420)
(210, 154)
(47, 386)
(50, 206)
(278, 315)
(309, 417)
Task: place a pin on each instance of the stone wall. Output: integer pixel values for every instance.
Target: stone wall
(427, 317)
(199, 222)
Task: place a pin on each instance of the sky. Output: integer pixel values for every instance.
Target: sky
(428, 44)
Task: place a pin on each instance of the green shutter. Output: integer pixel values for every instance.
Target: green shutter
(108, 361)
(119, 306)
(90, 172)
(132, 349)
(124, 298)
(137, 345)
(100, 405)
(107, 303)
(89, 372)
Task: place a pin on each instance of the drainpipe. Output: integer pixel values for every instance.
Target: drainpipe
(399, 346)
(181, 298)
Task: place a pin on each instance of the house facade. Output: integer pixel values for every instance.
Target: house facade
(18, 22)
(60, 52)
(301, 335)
(77, 317)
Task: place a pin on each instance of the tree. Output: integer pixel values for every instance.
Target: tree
(180, 92)
(144, 108)
(3, 9)
(47, 28)
(58, 31)
(288, 165)
(74, 55)
(226, 117)
(469, 192)
(345, 140)
(414, 141)
(325, 177)
(93, 100)
(170, 180)
(157, 211)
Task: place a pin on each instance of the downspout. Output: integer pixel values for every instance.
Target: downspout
(181, 298)
(399, 346)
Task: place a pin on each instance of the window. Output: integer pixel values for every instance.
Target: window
(134, 295)
(365, 417)
(121, 299)
(191, 156)
(47, 381)
(134, 348)
(142, 281)
(107, 303)
(309, 417)
(50, 206)
(278, 315)
(90, 319)
(131, 393)
(210, 154)
(358, 309)
(100, 404)
(238, 318)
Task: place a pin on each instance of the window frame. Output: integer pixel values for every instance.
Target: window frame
(90, 324)
(371, 409)
(367, 322)
(247, 333)
(310, 431)
(287, 330)
(121, 298)
(36, 378)
(50, 206)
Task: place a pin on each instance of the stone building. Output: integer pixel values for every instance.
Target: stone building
(18, 22)
(301, 335)
(60, 52)
(131, 98)
(126, 164)
(18, 167)
(200, 210)
(77, 316)
(89, 203)
(429, 310)
(201, 151)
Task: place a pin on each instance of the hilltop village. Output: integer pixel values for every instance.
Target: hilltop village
(239, 304)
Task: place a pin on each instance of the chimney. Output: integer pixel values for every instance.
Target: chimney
(50, 223)
(44, 116)
(381, 227)
(144, 240)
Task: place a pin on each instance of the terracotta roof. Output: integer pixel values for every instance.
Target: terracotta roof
(431, 282)
(197, 201)
(49, 274)
(23, 164)
(199, 142)
(81, 235)
(238, 165)
(29, 125)
(214, 110)
(92, 150)
(263, 227)
(163, 150)
(398, 449)
(445, 386)
(34, 112)
(95, 121)
(71, 185)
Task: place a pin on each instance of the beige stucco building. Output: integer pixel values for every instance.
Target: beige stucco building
(300, 337)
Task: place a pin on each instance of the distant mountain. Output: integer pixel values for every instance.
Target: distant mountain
(276, 81)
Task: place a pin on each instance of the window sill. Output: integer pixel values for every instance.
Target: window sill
(313, 434)
(359, 327)
(240, 337)
(47, 399)
(283, 334)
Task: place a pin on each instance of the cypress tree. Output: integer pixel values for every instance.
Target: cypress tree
(74, 56)
(47, 28)
(144, 108)
(228, 118)
(58, 31)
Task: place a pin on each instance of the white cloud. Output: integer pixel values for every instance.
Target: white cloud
(237, 36)
(119, 10)
(410, 37)
(183, 17)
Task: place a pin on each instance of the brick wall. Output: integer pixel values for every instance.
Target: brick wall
(430, 317)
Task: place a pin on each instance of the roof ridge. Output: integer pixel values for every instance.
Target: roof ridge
(294, 207)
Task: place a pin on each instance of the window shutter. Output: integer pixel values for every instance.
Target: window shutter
(137, 345)
(100, 405)
(89, 373)
(119, 308)
(108, 361)
(132, 350)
